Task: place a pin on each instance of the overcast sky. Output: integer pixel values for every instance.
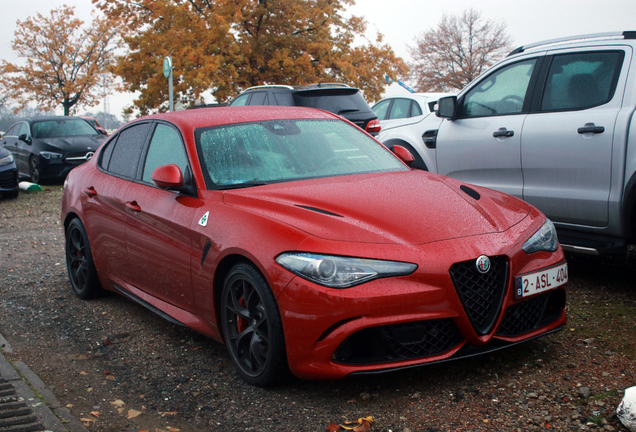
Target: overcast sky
(401, 20)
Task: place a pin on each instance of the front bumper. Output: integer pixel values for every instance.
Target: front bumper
(8, 179)
(422, 318)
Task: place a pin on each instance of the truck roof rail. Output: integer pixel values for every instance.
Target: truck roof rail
(606, 35)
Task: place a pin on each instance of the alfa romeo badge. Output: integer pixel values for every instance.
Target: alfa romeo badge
(483, 264)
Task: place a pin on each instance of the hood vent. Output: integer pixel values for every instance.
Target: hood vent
(470, 192)
(317, 210)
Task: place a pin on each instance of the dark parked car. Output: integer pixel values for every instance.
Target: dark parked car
(49, 147)
(301, 242)
(336, 98)
(8, 175)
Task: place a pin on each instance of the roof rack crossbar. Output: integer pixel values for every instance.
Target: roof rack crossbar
(606, 35)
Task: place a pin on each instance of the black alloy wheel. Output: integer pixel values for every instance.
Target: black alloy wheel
(252, 327)
(34, 169)
(79, 262)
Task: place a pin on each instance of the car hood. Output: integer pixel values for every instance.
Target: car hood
(413, 207)
(72, 143)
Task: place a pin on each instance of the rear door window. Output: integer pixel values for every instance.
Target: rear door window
(259, 98)
(400, 109)
(382, 108)
(124, 157)
(581, 80)
(283, 99)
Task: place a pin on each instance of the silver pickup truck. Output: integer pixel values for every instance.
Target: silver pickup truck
(553, 124)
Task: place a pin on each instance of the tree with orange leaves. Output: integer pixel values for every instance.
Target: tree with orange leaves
(64, 62)
(225, 46)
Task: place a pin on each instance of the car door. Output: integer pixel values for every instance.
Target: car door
(20, 148)
(10, 141)
(158, 224)
(567, 142)
(104, 201)
(482, 145)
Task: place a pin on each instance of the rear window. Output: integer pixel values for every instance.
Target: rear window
(338, 101)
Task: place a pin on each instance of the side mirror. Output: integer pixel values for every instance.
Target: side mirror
(102, 131)
(446, 107)
(25, 138)
(403, 154)
(167, 176)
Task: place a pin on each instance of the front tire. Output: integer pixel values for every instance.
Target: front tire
(79, 262)
(252, 327)
(34, 170)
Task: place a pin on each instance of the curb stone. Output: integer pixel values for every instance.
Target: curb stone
(49, 414)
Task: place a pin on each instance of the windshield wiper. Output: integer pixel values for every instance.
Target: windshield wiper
(347, 111)
(246, 184)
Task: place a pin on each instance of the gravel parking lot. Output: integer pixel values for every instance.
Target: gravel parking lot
(119, 367)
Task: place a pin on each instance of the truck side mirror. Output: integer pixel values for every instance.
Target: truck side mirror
(446, 107)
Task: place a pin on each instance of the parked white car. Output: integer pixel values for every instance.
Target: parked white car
(400, 116)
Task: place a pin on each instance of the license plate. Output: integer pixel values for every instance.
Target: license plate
(543, 280)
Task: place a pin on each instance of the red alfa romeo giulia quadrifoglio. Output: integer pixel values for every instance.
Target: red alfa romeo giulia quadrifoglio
(304, 245)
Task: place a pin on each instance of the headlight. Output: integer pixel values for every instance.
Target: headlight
(341, 272)
(543, 240)
(7, 160)
(51, 155)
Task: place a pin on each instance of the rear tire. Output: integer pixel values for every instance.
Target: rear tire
(252, 327)
(79, 262)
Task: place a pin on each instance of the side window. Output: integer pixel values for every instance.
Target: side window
(24, 129)
(400, 109)
(165, 148)
(124, 159)
(284, 99)
(381, 109)
(107, 153)
(581, 80)
(13, 131)
(416, 110)
(501, 93)
(258, 98)
(241, 100)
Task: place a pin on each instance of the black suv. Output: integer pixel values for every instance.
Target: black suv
(336, 98)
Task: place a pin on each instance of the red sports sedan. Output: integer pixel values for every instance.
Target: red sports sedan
(304, 245)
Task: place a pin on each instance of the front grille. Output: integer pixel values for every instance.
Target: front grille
(8, 179)
(531, 314)
(481, 294)
(399, 342)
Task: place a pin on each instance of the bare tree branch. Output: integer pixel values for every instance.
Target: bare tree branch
(462, 47)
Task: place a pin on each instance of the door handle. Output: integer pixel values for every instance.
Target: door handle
(90, 191)
(503, 132)
(133, 206)
(591, 128)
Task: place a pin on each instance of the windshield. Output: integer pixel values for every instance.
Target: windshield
(249, 154)
(62, 128)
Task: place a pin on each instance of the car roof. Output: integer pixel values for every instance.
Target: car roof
(607, 38)
(48, 118)
(418, 96)
(208, 117)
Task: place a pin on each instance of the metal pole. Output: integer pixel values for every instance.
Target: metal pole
(170, 87)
